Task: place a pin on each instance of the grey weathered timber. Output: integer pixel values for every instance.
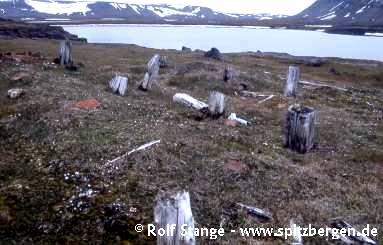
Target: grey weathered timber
(151, 74)
(256, 211)
(300, 128)
(292, 82)
(119, 85)
(175, 210)
(189, 101)
(164, 61)
(297, 235)
(228, 74)
(216, 104)
(357, 237)
(65, 52)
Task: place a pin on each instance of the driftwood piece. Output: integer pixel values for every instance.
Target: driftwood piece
(65, 53)
(292, 82)
(189, 101)
(357, 236)
(234, 117)
(319, 84)
(143, 147)
(216, 104)
(256, 211)
(251, 94)
(296, 236)
(228, 74)
(151, 74)
(266, 99)
(300, 128)
(175, 211)
(119, 85)
(15, 93)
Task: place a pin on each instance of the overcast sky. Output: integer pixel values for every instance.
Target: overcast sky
(289, 7)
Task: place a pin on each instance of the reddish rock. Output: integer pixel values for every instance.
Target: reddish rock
(87, 104)
(231, 123)
(236, 167)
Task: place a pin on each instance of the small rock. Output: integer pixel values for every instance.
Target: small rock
(186, 49)
(314, 62)
(15, 93)
(333, 71)
(87, 104)
(214, 54)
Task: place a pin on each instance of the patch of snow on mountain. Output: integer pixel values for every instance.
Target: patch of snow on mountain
(119, 6)
(347, 15)
(335, 7)
(52, 7)
(232, 15)
(165, 11)
(196, 11)
(361, 10)
(332, 16)
(136, 8)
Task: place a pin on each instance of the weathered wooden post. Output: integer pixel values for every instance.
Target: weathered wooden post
(65, 52)
(151, 74)
(292, 81)
(300, 128)
(216, 104)
(119, 85)
(175, 211)
(228, 74)
(163, 61)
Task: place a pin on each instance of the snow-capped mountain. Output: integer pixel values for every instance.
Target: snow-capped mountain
(57, 10)
(344, 12)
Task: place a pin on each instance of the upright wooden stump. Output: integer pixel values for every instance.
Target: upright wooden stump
(119, 85)
(65, 52)
(163, 61)
(228, 74)
(216, 104)
(176, 211)
(292, 81)
(152, 73)
(300, 128)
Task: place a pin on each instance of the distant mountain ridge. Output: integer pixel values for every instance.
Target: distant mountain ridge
(344, 12)
(58, 10)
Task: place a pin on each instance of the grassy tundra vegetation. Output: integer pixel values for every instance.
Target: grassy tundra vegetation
(55, 188)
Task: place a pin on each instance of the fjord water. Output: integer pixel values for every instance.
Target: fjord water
(235, 39)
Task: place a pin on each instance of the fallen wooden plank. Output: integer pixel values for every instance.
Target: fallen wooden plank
(256, 211)
(135, 150)
(268, 98)
(234, 117)
(189, 101)
(319, 84)
(360, 237)
(253, 94)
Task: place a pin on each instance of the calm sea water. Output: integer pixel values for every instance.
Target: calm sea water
(235, 39)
